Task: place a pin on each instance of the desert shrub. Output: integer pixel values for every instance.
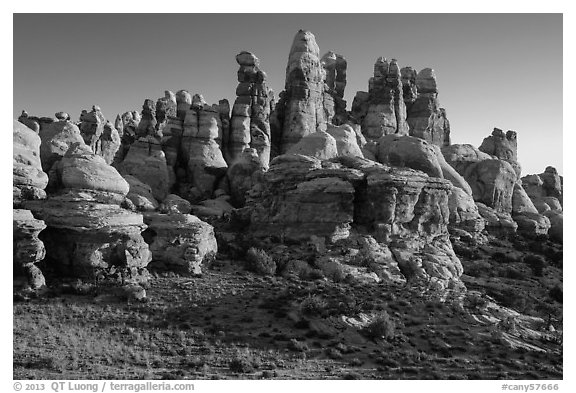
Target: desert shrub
(511, 272)
(554, 256)
(259, 262)
(313, 306)
(502, 257)
(334, 272)
(301, 269)
(297, 346)
(510, 297)
(466, 252)
(243, 362)
(475, 302)
(381, 327)
(477, 269)
(556, 293)
(508, 324)
(536, 263)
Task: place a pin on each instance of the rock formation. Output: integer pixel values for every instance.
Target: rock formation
(492, 180)
(545, 191)
(319, 144)
(180, 242)
(200, 148)
(243, 174)
(250, 123)
(424, 116)
(502, 146)
(29, 180)
(300, 109)
(146, 161)
(28, 183)
(302, 196)
(56, 138)
(377, 192)
(334, 104)
(87, 230)
(382, 111)
(140, 194)
(98, 133)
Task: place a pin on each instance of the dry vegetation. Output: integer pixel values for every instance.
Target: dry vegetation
(234, 323)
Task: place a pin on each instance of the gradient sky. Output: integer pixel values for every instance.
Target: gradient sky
(493, 70)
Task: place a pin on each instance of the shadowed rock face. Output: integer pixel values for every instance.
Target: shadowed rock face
(250, 123)
(335, 82)
(243, 174)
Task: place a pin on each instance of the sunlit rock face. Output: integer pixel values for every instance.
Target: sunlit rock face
(303, 196)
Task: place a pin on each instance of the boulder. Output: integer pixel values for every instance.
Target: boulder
(146, 161)
(87, 231)
(175, 204)
(302, 197)
(56, 140)
(491, 180)
(180, 242)
(464, 214)
(213, 208)
(346, 140)
(405, 151)
(82, 169)
(140, 194)
(521, 202)
(498, 224)
(318, 144)
(500, 145)
(556, 231)
(243, 174)
(28, 249)
(85, 237)
(532, 224)
(543, 204)
(492, 183)
(98, 133)
(28, 178)
(92, 126)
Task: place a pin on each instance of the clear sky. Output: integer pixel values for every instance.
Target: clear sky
(493, 70)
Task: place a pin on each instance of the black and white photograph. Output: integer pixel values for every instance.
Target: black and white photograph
(286, 196)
